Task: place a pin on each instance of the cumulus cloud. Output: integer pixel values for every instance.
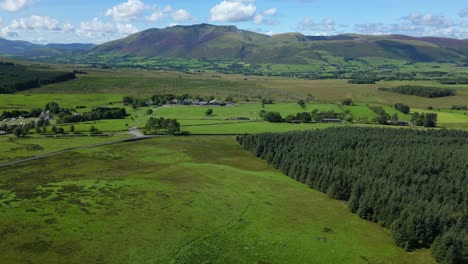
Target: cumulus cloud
(156, 15)
(14, 5)
(308, 24)
(32, 23)
(270, 12)
(427, 20)
(127, 11)
(96, 29)
(456, 31)
(233, 11)
(181, 15)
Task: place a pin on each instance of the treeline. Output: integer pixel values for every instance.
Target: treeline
(161, 99)
(35, 112)
(96, 114)
(459, 107)
(422, 91)
(306, 117)
(15, 78)
(162, 125)
(417, 119)
(454, 81)
(413, 182)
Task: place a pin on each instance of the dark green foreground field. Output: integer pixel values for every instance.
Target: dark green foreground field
(177, 200)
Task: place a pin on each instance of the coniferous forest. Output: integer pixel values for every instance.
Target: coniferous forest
(16, 78)
(413, 182)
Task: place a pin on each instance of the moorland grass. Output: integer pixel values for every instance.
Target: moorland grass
(145, 82)
(12, 148)
(177, 200)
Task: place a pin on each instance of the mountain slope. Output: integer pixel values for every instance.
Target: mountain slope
(229, 42)
(15, 47)
(186, 41)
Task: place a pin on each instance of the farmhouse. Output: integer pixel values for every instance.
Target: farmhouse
(331, 120)
(216, 102)
(402, 123)
(187, 102)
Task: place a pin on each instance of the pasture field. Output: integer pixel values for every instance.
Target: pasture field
(28, 101)
(145, 82)
(13, 148)
(178, 200)
(223, 120)
(249, 110)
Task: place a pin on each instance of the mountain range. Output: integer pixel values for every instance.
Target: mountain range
(18, 47)
(229, 42)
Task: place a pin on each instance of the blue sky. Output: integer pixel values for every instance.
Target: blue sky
(97, 21)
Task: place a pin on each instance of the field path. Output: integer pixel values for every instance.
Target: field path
(230, 224)
(136, 138)
(75, 148)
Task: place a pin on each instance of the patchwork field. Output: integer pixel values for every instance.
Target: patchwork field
(145, 82)
(177, 200)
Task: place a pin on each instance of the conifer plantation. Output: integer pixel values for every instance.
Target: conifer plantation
(410, 181)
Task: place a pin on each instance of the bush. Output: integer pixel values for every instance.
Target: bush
(405, 109)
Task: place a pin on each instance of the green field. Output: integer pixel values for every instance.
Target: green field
(145, 82)
(196, 199)
(177, 200)
(13, 148)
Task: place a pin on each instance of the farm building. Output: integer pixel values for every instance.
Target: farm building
(331, 120)
(216, 102)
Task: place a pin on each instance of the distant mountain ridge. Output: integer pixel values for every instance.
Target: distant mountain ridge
(17, 47)
(229, 42)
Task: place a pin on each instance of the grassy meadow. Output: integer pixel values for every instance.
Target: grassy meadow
(145, 82)
(13, 148)
(199, 199)
(177, 200)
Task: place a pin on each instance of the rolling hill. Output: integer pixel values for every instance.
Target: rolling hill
(229, 42)
(27, 49)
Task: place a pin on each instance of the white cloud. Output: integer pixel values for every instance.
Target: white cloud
(14, 5)
(233, 11)
(101, 31)
(156, 15)
(97, 26)
(307, 24)
(258, 19)
(181, 15)
(411, 30)
(127, 11)
(32, 23)
(427, 20)
(270, 12)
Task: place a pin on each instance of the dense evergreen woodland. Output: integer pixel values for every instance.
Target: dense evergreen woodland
(413, 182)
(422, 91)
(14, 78)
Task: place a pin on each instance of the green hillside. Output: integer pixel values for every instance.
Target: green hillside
(229, 42)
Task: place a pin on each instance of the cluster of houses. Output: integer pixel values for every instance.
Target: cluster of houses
(44, 115)
(214, 102)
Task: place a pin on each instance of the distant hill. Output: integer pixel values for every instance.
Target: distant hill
(229, 42)
(71, 46)
(15, 47)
